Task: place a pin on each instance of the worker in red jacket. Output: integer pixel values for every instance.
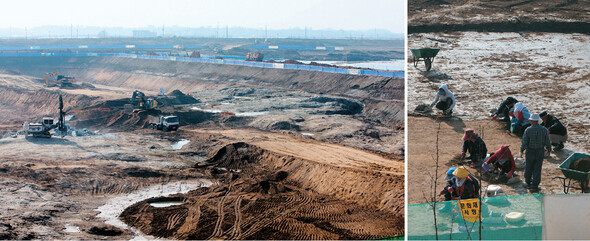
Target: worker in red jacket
(502, 161)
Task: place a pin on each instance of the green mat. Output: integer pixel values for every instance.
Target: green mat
(494, 227)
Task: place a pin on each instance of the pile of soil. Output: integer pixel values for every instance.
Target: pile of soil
(582, 164)
(347, 106)
(180, 98)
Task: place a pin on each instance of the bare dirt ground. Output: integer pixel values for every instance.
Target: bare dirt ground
(485, 13)
(545, 71)
(287, 164)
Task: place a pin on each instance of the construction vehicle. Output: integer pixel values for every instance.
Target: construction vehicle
(254, 56)
(166, 123)
(140, 101)
(61, 81)
(42, 129)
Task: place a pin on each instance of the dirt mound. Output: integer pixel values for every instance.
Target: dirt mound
(105, 230)
(264, 195)
(347, 106)
(179, 98)
(235, 156)
(582, 164)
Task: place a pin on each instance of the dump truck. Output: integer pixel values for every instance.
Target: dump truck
(61, 81)
(165, 123)
(254, 56)
(43, 128)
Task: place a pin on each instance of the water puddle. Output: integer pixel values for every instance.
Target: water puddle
(207, 110)
(71, 228)
(252, 113)
(165, 204)
(178, 145)
(114, 207)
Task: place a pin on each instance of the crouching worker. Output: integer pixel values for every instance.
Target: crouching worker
(476, 147)
(501, 161)
(504, 110)
(461, 185)
(557, 132)
(444, 100)
(521, 119)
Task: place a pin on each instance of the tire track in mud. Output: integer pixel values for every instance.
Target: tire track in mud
(291, 205)
(236, 232)
(190, 222)
(218, 232)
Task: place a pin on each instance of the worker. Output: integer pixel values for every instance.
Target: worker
(557, 132)
(504, 109)
(501, 161)
(476, 147)
(461, 186)
(534, 139)
(444, 100)
(521, 118)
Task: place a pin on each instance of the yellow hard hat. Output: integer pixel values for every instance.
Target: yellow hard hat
(461, 172)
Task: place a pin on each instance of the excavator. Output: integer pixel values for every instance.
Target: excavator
(42, 129)
(61, 81)
(139, 100)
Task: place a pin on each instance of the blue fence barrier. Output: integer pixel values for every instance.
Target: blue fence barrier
(129, 46)
(298, 47)
(399, 74)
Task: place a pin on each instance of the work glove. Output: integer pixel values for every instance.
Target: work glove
(509, 175)
(494, 117)
(450, 189)
(485, 167)
(462, 154)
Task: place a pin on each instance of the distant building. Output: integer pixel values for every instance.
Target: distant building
(144, 34)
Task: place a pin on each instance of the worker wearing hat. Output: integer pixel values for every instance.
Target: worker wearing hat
(534, 139)
(461, 186)
(557, 132)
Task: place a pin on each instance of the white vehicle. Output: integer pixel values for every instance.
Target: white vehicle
(166, 123)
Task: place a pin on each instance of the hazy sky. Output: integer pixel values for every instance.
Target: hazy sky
(276, 14)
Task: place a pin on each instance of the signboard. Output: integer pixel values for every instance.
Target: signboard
(470, 210)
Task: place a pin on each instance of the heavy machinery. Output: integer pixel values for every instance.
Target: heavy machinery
(140, 101)
(166, 123)
(254, 56)
(61, 80)
(42, 129)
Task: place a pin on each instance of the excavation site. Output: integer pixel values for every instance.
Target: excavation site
(124, 147)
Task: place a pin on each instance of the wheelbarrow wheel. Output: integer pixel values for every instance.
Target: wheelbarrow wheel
(584, 186)
(428, 63)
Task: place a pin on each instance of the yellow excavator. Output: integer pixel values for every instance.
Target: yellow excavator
(61, 81)
(139, 100)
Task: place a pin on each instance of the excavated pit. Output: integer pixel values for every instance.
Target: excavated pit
(292, 154)
(265, 195)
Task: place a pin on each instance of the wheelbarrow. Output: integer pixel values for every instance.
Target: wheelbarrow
(573, 176)
(424, 54)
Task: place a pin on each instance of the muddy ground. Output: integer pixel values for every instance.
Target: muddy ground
(259, 162)
(563, 16)
(546, 71)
